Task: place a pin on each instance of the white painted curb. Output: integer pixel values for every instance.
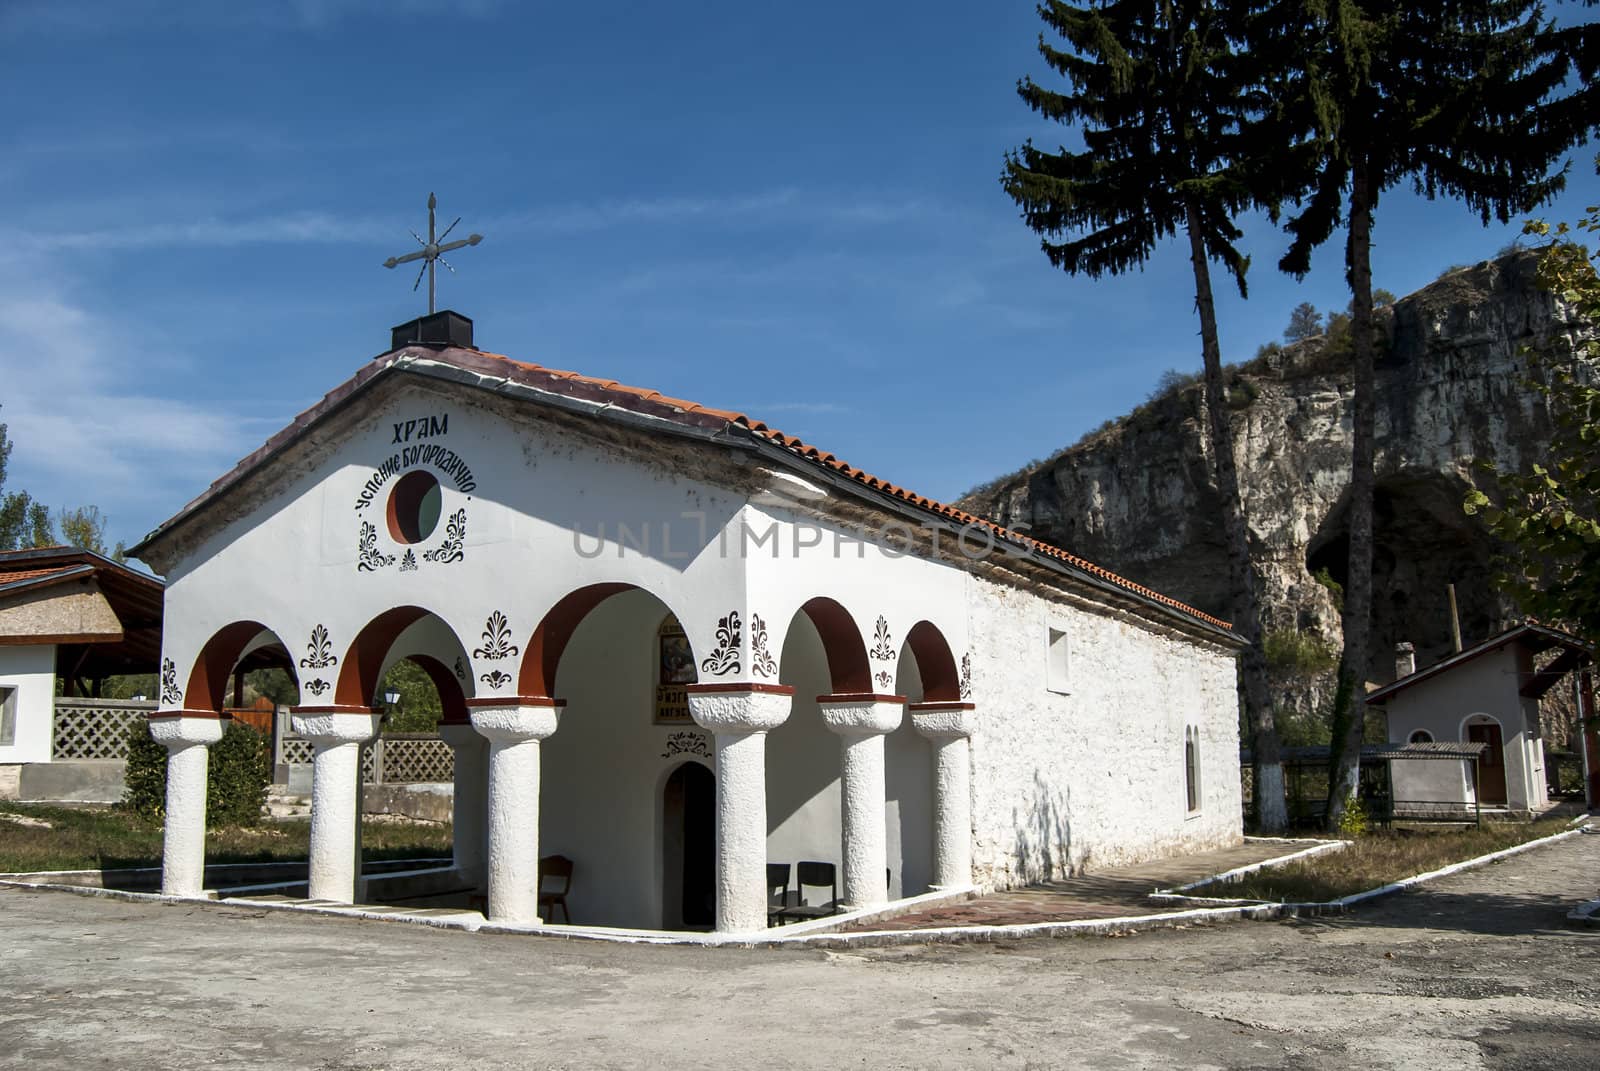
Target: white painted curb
(1212, 911)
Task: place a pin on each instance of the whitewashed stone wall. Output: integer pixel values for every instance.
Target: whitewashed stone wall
(1095, 777)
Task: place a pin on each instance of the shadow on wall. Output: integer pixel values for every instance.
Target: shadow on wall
(1044, 834)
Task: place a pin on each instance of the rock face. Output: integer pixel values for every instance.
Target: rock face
(1137, 496)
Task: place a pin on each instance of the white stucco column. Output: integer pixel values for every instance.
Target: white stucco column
(514, 729)
(337, 734)
(949, 727)
(740, 716)
(861, 722)
(188, 735)
(469, 807)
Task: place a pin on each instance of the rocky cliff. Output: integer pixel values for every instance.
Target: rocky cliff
(1137, 496)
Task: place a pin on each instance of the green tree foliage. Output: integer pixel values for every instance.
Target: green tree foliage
(1469, 99)
(83, 526)
(144, 782)
(1162, 100)
(419, 709)
(1550, 514)
(238, 773)
(1304, 322)
(274, 684)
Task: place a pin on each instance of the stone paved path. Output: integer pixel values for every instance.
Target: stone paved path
(1105, 894)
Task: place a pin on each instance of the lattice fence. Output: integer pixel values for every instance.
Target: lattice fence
(296, 751)
(94, 728)
(399, 759)
(417, 758)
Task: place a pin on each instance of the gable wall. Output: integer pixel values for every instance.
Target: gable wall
(1486, 685)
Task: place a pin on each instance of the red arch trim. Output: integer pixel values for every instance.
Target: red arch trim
(208, 680)
(841, 640)
(542, 654)
(358, 677)
(941, 681)
(451, 698)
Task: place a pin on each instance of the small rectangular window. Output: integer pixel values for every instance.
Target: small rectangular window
(1056, 659)
(8, 716)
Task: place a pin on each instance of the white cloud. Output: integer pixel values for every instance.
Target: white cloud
(86, 430)
(299, 228)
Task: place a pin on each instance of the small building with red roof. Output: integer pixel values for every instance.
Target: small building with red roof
(72, 617)
(683, 651)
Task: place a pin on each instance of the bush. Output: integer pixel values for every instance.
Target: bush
(240, 772)
(236, 785)
(1336, 589)
(145, 784)
(1242, 393)
(1292, 649)
(1353, 820)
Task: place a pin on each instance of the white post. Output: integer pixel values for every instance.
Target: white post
(187, 736)
(862, 721)
(949, 727)
(740, 716)
(469, 807)
(514, 731)
(337, 733)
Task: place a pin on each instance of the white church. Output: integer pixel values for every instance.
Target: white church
(675, 645)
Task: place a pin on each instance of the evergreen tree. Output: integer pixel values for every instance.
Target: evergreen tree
(1467, 99)
(1304, 322)
(1159, 98)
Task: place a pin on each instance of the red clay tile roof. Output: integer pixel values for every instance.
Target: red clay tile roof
(817, 456)
(677, 410)
(13, 576)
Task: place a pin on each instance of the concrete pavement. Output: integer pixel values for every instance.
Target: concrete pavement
(1478, 970)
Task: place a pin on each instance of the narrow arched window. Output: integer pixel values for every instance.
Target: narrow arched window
(1421, 736)
(1191, 767)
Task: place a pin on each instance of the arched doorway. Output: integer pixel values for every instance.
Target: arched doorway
(1491, 786)
(689, 848)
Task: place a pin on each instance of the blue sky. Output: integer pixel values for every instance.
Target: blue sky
(789, 210)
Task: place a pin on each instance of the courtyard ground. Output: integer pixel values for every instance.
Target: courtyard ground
(1476, 971)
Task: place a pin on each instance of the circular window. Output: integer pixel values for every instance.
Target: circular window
(1421, 736)
(414, 507)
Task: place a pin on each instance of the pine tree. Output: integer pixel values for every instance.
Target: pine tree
(1467, 99)
(1159, 97)
(1304, 322)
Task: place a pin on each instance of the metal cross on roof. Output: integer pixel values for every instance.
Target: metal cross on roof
(432, 250)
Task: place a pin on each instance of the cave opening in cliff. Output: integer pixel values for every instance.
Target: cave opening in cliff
(1422, 543)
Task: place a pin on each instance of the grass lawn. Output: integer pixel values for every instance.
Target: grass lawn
(1379, 858)
(90, 838)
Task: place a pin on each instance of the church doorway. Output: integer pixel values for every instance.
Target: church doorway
(1491, 765)
(689, 829)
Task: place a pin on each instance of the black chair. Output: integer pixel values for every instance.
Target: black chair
(555, 881)
(815, 875)
(777, 890)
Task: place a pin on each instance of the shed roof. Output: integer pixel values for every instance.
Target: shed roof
(609, 400)
(135, 597)
(1535, 637)
(1432, 749)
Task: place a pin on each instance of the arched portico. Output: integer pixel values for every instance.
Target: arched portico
(620, 657)
(187, 734)
(340, 729)
(941, 715)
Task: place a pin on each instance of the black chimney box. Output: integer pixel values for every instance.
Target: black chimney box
(445, 328)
